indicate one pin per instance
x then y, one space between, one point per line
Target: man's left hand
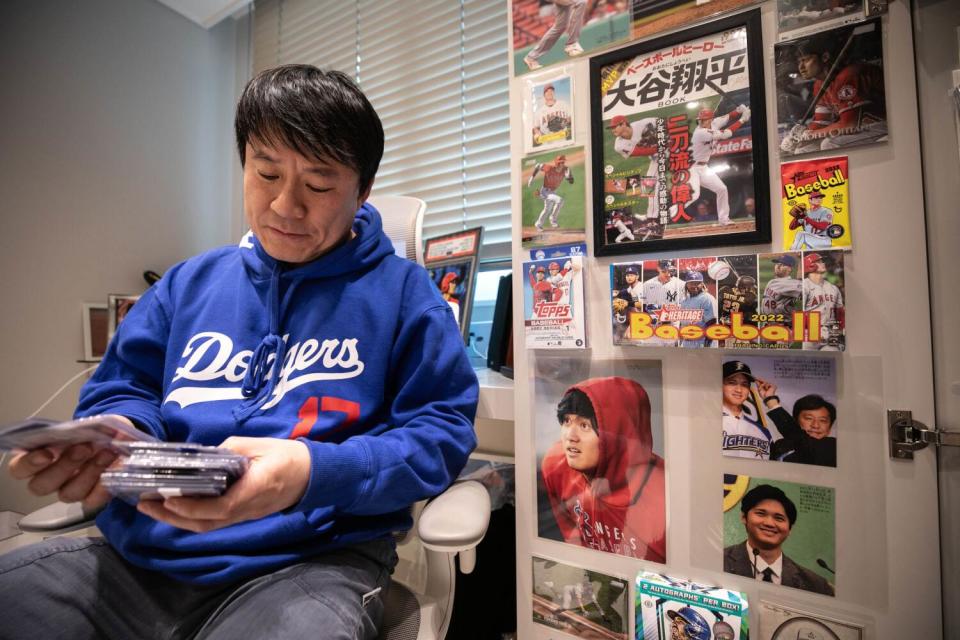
275 480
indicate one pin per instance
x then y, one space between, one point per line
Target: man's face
818 267
766 524
750 205
623 130
810 66
702 209
581 444
705 122
693 287
541 275
452 287
663 275
554 272
549 97
781 270
677 629
298 208
736 389
815 202
816 422
631 278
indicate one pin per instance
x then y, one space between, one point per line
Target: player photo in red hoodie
605 483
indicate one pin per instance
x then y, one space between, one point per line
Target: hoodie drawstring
253 387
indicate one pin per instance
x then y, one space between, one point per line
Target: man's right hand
73 473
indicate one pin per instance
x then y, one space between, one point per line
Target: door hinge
908 435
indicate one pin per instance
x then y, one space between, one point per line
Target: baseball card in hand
156 470
35 433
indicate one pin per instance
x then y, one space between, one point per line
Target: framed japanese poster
451 260
680 139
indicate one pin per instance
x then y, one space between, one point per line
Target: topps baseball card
779 532
546 33
780 408
572 602
548 111
553 303
796 18
830 90
672 609
598 436
815 197
553 203
675 136
766 301
780 622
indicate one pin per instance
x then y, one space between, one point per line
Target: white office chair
419 601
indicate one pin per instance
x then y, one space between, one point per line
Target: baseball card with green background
554 197
781 533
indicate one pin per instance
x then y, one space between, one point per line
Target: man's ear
362 197
743 518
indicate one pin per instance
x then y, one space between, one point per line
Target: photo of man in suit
768 516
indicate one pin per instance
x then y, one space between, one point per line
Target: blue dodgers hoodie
356 354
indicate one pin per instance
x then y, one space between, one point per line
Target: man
553 175
663 291
739 298
782 293
448 289
852 109
633 292
552 119
688 624
745 434
813 223
568 17
560 279
700 300
257 348
543 289
768 516
823 297
709 131
635 140
623 231
604 482
806 433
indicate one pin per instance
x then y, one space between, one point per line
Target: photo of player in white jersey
639 139
560 279
711 129
548 113
814 220
822 296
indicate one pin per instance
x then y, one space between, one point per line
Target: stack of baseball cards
35 433
156 470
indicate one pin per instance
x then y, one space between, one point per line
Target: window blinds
437 73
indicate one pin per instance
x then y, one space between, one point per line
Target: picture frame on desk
118 306
94 331
678 129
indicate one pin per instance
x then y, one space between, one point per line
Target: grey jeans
76 588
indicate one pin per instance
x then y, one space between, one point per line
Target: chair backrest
403 223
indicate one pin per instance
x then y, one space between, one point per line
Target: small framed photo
460 244
118 306
456 280
94 331
679 141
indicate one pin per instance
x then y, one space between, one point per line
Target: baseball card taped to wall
796 18
553 200
548 111
765 301
781 408
678 132
830 90
573 602
546 33
553 312
650 17
668 608
780 622
598 435
815 198
779 533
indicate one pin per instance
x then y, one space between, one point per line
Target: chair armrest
59 515
456 521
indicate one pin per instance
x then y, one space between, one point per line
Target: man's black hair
813 402
577 403
317 113
763 492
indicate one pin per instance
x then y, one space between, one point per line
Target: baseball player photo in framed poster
573 602
553 311
671 609
548 111
815 197
549 31
781 408
649 17
682 117
796 18
553 203
780 622
830 91
779 532
598 435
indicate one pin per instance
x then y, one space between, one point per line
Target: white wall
116 155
